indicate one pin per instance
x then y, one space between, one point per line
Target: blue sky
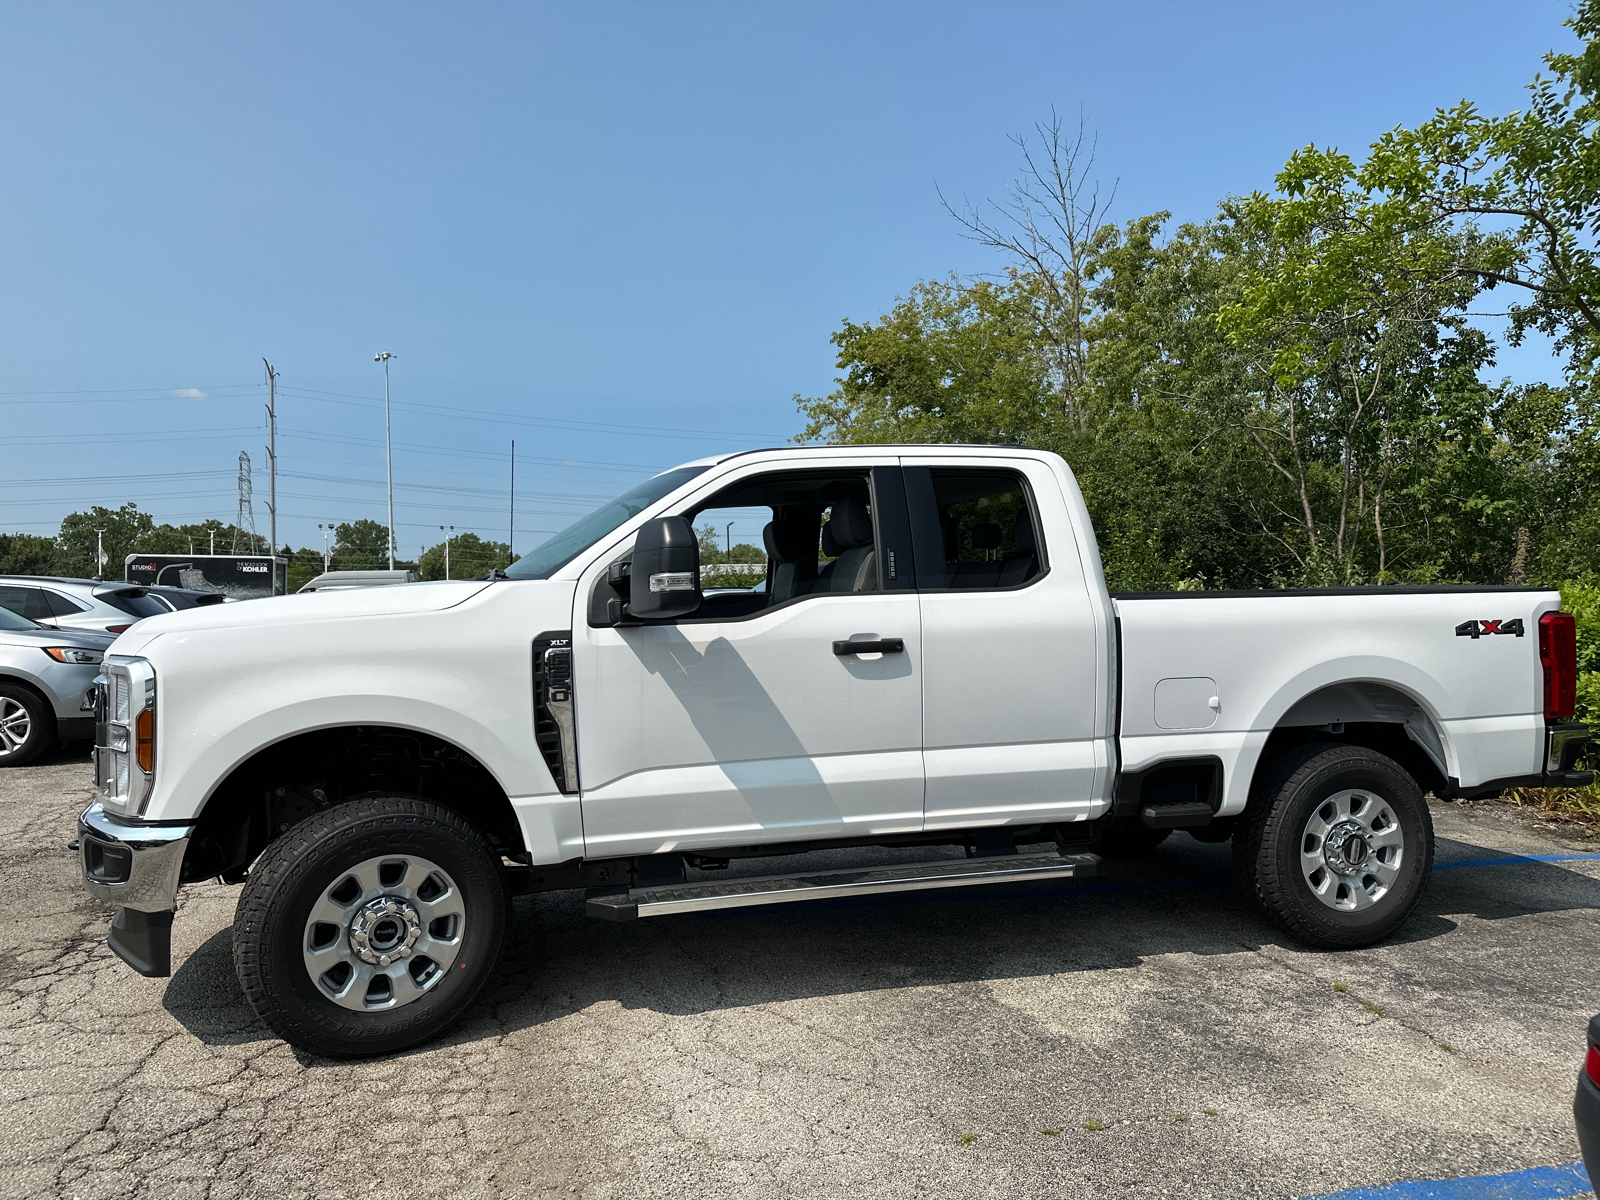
619 233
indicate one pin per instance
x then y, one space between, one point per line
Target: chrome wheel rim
384 933
1351 850
15 725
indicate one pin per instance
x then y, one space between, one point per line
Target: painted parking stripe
1512 860
1536 1183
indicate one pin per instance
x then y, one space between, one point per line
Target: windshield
580 535
11 620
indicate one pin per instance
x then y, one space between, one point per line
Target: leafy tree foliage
470 556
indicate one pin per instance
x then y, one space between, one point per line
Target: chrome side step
784 889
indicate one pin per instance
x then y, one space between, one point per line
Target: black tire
1268 847
17 702
271 927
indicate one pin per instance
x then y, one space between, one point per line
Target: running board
871 881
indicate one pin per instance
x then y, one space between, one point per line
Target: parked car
390 763
1586 1107
178 599
46 686
337 580
92 604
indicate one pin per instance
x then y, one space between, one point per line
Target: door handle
881 646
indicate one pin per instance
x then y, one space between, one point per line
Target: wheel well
283 784
1374 715
18 681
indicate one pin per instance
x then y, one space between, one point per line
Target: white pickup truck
932 660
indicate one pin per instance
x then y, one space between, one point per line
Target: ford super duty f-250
932 659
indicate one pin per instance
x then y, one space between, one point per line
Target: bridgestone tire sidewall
41 726
294 871
1281 886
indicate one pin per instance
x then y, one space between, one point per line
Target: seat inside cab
816 536
987 530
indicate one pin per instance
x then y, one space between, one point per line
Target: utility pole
727 539
213 530
447 537
325 529
511 540
272 457
388 450
99 552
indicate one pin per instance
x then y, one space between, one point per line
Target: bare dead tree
1052 223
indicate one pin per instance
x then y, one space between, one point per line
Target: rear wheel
26 725
1337 845
369 927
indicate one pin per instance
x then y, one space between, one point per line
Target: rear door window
25 602
974 529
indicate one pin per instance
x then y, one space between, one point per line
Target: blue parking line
1536 1183
1512 860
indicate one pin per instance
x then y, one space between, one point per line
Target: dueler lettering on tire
1337 845
369 927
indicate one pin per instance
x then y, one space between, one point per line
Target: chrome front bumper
130 865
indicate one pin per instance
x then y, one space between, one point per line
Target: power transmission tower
272 456
244 525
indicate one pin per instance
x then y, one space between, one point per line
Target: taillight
144 741
1558 651
1591 1064
119 628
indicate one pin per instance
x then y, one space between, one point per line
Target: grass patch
1051 1132
1580 805
1375 1009
966 1139
1181 1118
1448 1048
1093 1126
1211 1112
1341 987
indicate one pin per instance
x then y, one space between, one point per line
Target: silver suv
46 686
91 604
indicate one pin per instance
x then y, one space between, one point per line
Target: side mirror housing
664 580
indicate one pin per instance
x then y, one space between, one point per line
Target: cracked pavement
924 1045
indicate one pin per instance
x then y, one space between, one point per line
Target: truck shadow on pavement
1180 900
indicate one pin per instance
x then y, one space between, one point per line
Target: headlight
125 735
72 654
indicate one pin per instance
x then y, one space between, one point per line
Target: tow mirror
664 579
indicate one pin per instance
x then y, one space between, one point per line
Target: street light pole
325 529
447 537
388 451
272 456
727 539
99 552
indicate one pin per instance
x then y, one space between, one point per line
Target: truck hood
391 600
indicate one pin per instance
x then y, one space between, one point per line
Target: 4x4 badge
1477 629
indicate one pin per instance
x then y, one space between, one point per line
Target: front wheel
1337 845
369 927
26 725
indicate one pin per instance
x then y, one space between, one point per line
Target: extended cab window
973 528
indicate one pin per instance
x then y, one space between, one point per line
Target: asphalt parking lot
1139 1035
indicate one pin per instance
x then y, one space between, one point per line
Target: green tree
361 546
122 528
470 556
26 554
